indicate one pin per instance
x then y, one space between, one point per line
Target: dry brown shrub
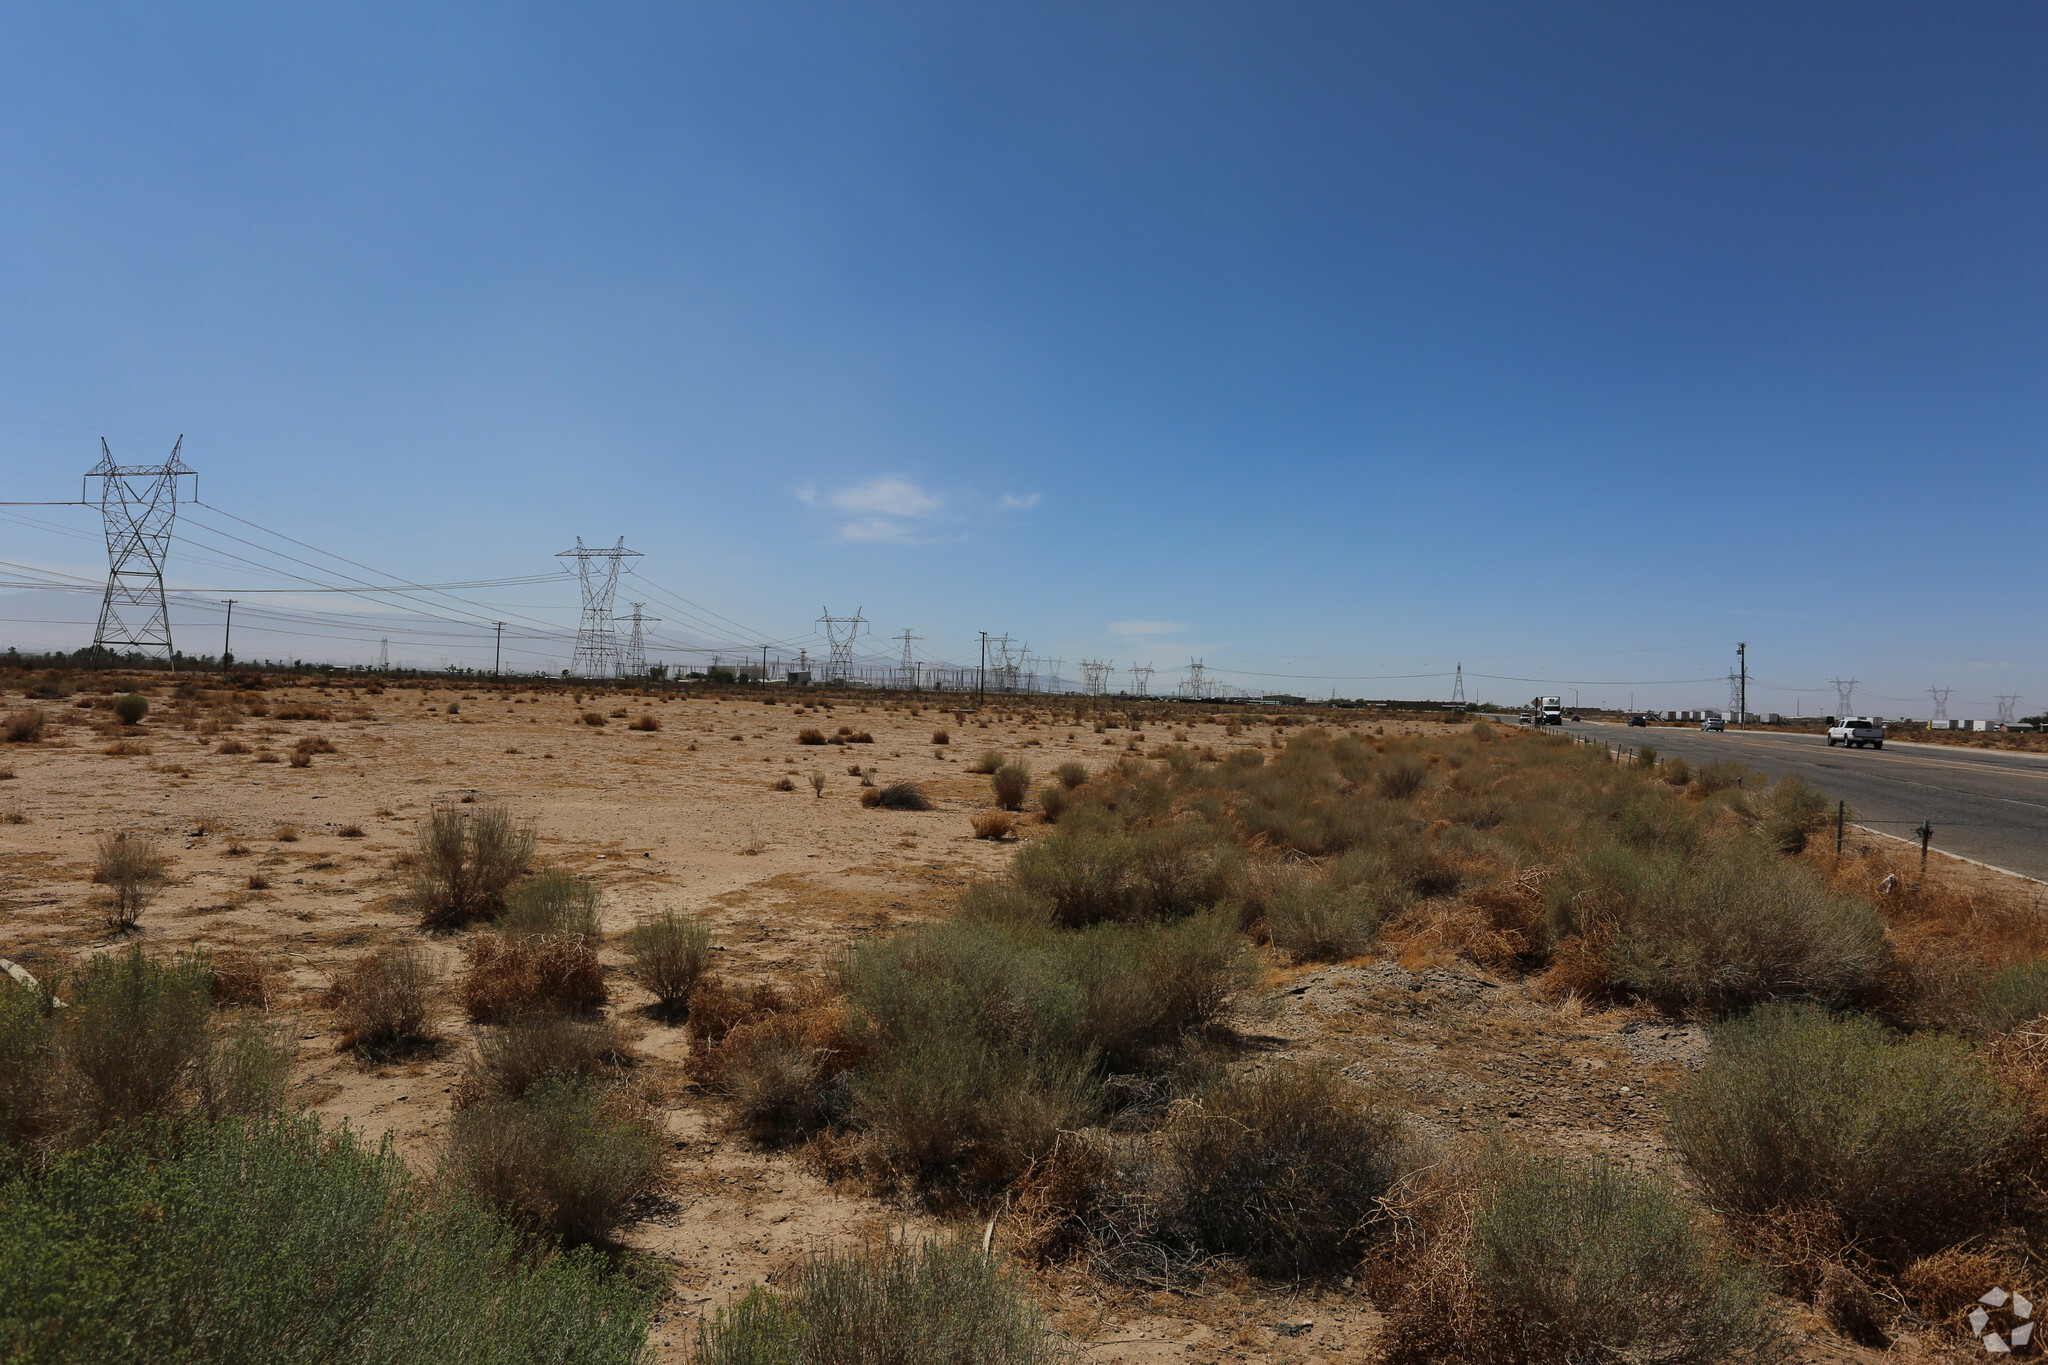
504 978
127 748
645 722
383 1002
941 737
239 978
285 834
231 746
24 725
300 759
809 735
993 824
134 870
593 718
314 744
512 1060
782 784
871 797
1944 1287
774 1054
1067 1202
1498 926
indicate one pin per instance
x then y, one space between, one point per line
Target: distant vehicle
1713 723
1642 721
1546 711
1856 731
1522 719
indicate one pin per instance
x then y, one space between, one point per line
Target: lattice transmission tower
1458 688
2008 702
1194 684
1141 680
597 639
138 505
1009 665
1845 696
1053 681
1095 676
840 633
633 658
906 669
1941 696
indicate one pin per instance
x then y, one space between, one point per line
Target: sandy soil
686 818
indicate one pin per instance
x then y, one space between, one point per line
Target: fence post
1841 814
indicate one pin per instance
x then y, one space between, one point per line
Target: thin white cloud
876 529
807 494
888 496
1135 628
1015 503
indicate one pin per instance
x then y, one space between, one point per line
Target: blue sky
1327 343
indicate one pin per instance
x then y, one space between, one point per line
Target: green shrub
1317 920
1901 1137
1083 876
898 796
563 1157
1744 925
938 1303
278 1242
1053 802
131 708
132 1038
1792 812
27 1064
1589 1262
1397 779
1677 771
134 869
1010 783
666 956
1284 1169
1646 755
553 901
987 1039
1719 776
463 865
1071 774
2016 995
989 762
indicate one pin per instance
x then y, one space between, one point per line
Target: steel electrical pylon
597 642
1194 685
633 660
840 633
1845 696
1458 688
2008 702
1095 676
1141 680
1941 696
138 504
906 672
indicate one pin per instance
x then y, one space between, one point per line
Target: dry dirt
686 818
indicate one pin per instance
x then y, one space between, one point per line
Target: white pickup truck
1856 731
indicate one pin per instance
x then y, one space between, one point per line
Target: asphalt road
1983 803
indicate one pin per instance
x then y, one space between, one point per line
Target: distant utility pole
498 649
1941 696
633 659
2008 702
138 504
384 654
1193 686
1458 688
597 641
1845 696
1742 662
981 675
227 633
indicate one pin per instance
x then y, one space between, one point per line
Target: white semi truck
1547 711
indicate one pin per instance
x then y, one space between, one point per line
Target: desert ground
298 865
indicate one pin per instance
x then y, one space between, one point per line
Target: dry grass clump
989 762
1314 919
285 833
810 735
239 978
646 722
667 956
1011 783
896 796
1902 1140
464 864
936 1303
530 1049
777 1057
553 901
593 718
1283 1170
130 710
127 748
134 869
942 737
2017 994
383 1002
992 824
314 744
783 784
24 725
1071 775
564 1158
507 977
